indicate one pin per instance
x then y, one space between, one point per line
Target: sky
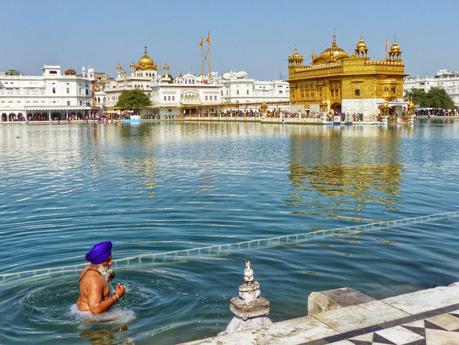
252 35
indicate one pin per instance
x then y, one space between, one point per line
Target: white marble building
52 95
247 93
449 81
169 96
185 95
191 94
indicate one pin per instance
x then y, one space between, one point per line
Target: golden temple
336 81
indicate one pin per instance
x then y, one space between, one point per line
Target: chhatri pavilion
337 81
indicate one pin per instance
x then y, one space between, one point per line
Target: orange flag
201 43
208 38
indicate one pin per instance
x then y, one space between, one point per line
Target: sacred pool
212 195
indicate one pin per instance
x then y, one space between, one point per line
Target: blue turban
99 252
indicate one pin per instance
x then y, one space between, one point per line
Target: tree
435 98
438 98
133 100
417 96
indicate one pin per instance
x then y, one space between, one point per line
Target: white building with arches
51 96
191 94
185 95
169 96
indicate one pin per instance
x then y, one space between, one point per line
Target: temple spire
334 45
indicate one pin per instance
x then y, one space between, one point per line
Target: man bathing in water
94 288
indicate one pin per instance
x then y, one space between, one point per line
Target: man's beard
106 272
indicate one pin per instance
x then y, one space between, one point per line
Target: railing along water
225 249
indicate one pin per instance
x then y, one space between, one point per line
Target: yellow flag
201 43
208 38
387 44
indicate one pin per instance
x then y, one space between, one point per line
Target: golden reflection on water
341 183
339 171
146 168
332 169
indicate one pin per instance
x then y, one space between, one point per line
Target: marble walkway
428 317
436 327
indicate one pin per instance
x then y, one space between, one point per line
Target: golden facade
336 81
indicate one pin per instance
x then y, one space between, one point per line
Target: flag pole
202 58
387 47
208 54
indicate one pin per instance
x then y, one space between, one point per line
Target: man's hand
120 290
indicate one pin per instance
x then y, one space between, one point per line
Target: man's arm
98 304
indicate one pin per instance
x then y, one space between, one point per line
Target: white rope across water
225 249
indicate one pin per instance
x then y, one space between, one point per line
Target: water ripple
162 187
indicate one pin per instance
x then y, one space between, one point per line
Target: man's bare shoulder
90 275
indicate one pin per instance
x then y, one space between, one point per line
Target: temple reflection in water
335 170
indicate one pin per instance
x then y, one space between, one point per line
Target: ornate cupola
296 59
167 77
361 49
395 54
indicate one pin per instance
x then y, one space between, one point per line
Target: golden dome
361 45
331 54
395 48
146 62
295 55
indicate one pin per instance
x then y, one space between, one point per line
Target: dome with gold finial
296 59
295 55
361 45
361 49
395 48
331 54
146 62
395 54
